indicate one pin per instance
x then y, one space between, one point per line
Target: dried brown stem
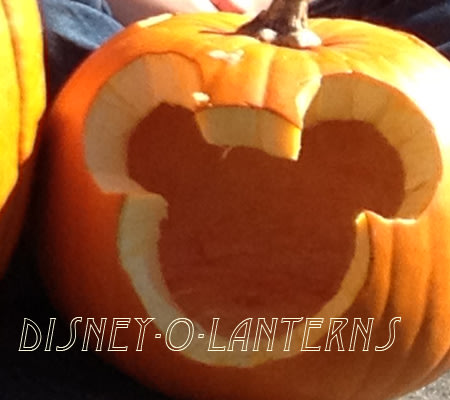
284 23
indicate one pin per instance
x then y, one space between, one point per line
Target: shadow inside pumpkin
250 235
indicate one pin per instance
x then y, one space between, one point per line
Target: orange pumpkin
204 178
23 98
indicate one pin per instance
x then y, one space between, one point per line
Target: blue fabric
73 29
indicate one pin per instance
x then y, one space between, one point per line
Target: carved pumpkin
23 98
197 174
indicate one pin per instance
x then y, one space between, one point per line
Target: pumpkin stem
284 23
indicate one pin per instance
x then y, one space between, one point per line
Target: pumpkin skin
23 85
99 223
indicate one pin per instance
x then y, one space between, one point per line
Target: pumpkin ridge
268 73
210 80
361 388
387 387
13 166
427 312
17 56
440 365
384 388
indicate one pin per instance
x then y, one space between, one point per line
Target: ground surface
438 390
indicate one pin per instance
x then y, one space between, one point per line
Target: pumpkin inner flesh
254 128
249 235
